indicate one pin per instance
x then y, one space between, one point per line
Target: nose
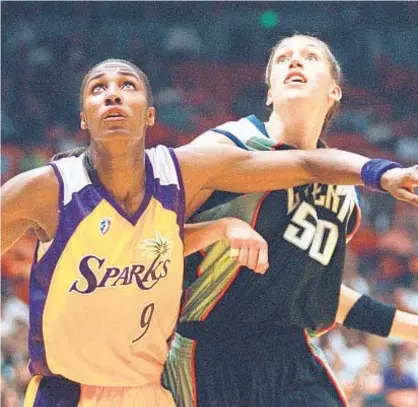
113 97
295 63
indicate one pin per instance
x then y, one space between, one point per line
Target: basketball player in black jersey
244 340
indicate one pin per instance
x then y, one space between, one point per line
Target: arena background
206 62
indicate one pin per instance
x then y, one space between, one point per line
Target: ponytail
75 152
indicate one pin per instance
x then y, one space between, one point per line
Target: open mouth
295 77
114 115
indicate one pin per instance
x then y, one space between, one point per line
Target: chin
115 136
297 96
118 132
296 93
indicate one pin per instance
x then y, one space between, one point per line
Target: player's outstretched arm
365 314
228 168
29 201
248 247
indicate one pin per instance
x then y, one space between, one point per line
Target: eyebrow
125 73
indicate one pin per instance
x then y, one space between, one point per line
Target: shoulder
33 181
206 155
201 164
226 133
32 195
211 137
236 133
165 165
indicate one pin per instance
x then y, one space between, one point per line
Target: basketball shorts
276 371
59 392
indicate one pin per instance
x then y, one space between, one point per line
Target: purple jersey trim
82 204
149 189
61 187
169 197
36 305
181 208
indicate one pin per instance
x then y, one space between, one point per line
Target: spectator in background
355 356
369 381
182 42
352 277
395 376
400 387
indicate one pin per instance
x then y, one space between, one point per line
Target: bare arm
29 201
405 325
208 138
228 168
201 235
248 248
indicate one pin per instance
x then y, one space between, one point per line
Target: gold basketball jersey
105 293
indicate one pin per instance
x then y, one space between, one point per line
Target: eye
128 85
97 87
281 58
312 57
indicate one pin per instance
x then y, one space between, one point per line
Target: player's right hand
248 247
400 183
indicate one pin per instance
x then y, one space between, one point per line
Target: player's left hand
400 183
248 247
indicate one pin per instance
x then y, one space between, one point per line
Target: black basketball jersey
306 227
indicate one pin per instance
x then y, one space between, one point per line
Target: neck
121 170
297 127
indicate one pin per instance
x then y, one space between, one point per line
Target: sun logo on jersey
160 246
105 225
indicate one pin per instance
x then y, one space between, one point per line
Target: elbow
310 170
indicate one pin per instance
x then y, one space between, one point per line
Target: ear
150 120
83 122
269 100
335 93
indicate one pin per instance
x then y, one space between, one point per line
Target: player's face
115 103
301 70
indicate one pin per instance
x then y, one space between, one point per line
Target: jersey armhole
231 137
353 223
48 246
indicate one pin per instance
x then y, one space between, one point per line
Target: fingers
243 256
252 258
252 255
234 253
411 177
248 247
406 178
263 263
406 195
414 175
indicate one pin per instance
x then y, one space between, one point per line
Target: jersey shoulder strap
72 176
164 165
248 133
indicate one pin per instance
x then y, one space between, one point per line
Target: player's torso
305 228
114 292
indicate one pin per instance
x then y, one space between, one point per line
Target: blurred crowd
206 70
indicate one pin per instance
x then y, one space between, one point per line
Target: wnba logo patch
105 225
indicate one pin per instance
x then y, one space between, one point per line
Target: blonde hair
335 70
